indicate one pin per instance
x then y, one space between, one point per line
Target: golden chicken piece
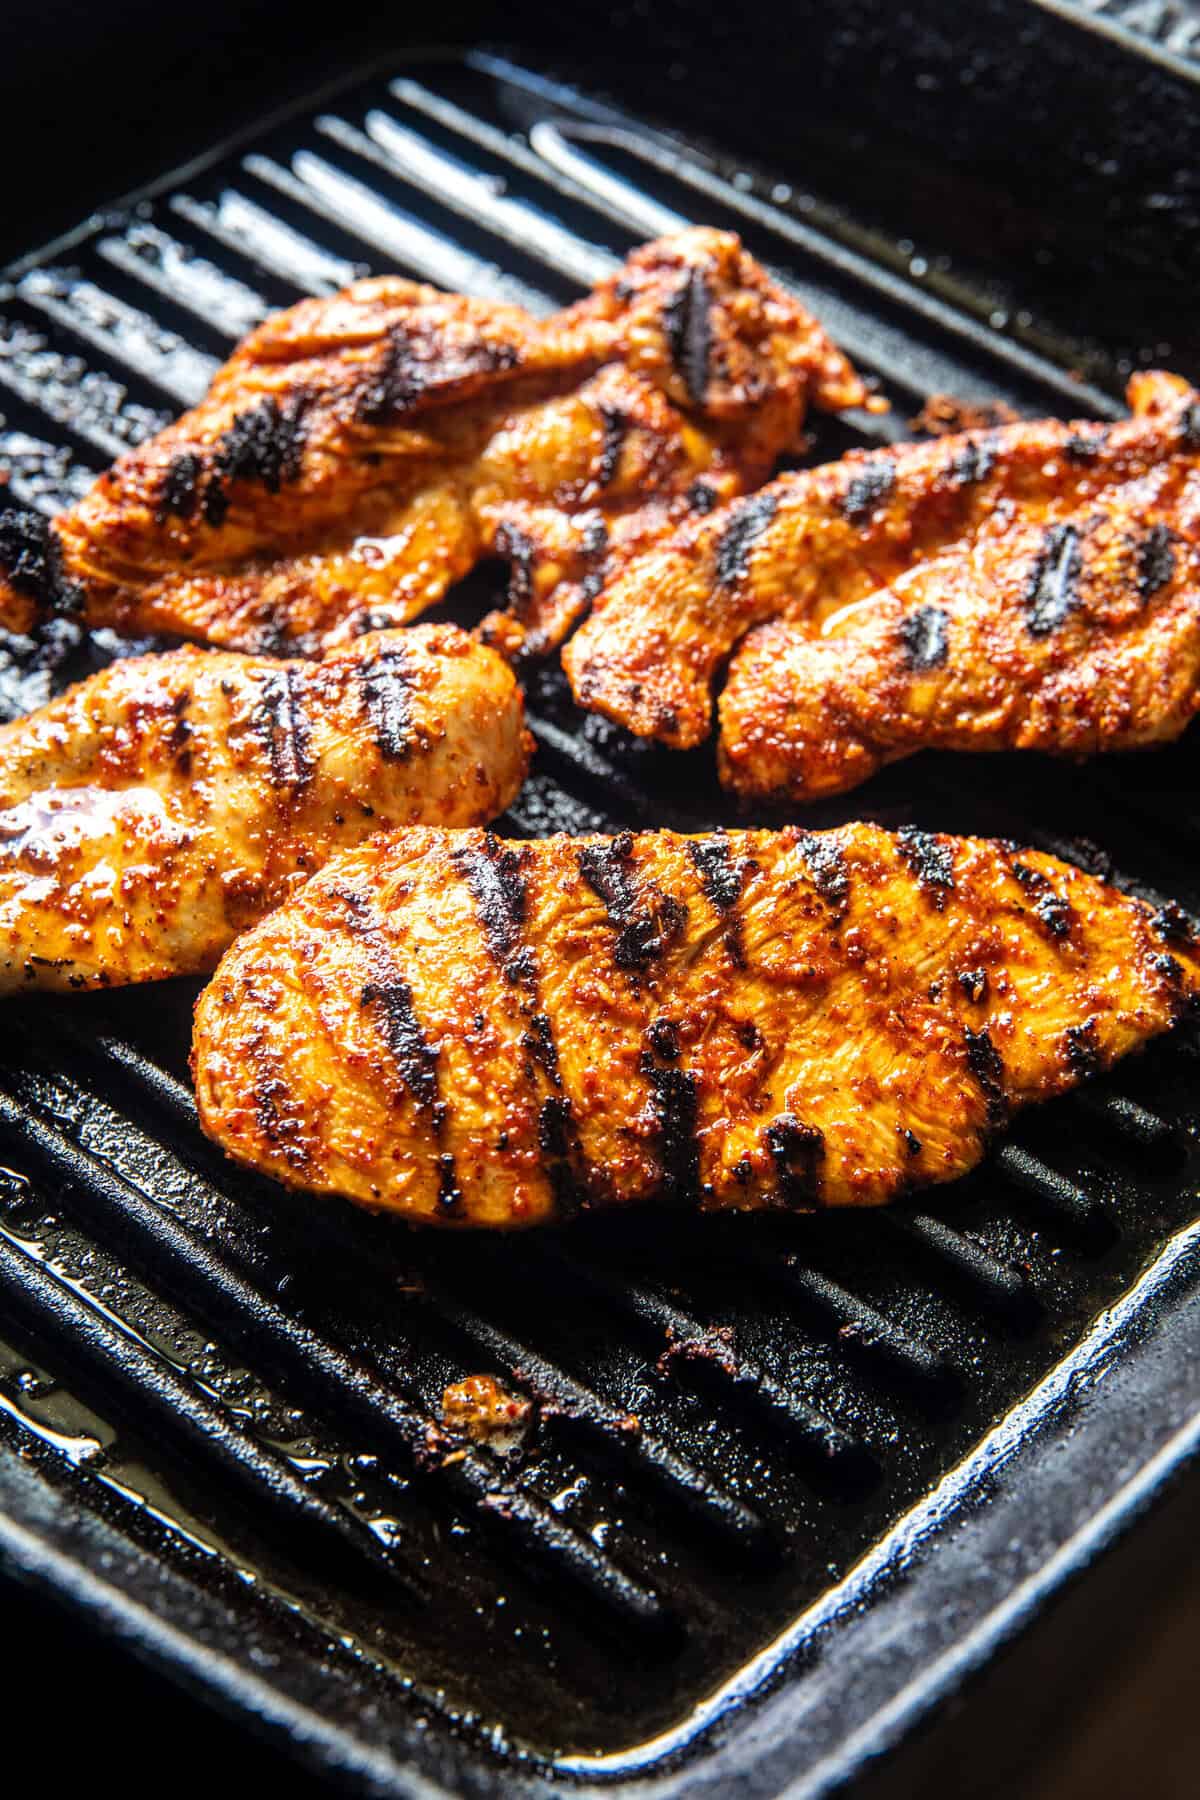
1071 638
471 1032
157 809
817 541
359 454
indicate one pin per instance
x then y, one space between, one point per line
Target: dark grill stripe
1155 560
279 1121
31 561
1052 592
931 860
984 1062
867 489
721 876
388 997
179 492
1049 907
407 376
675 1100
1175 926
647 922
495 875
750 519
449 1193
263 444
798 1151
539 1041
1081 1050
283 726
593 545
687 320
826 864
1085 446
616 425
973 463
415 1059
386 686
925 637
606 869
521 551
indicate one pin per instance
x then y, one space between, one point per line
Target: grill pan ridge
787 1461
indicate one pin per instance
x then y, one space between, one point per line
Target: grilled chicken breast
1072 638
359 454
472 1032
155 810
859 534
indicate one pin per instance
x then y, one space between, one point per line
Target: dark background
942 123
98 99
943 112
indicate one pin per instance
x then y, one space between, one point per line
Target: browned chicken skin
1028 586
157 809
359 454
470 1032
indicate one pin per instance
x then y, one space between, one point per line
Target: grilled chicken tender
1074 638
359 454
935 524
471 1032
157 809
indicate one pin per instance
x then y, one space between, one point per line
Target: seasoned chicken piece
472 1032
359 454
157 809
817 541
1073 638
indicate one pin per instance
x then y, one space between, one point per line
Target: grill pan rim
1133 40
326 1746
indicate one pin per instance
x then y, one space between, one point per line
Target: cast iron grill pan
227 1392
